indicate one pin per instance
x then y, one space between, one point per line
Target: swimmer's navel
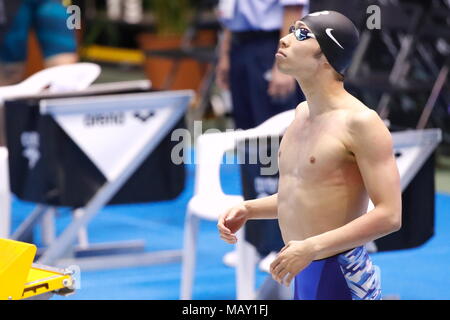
312 160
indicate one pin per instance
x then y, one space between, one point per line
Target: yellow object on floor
21 279
112 54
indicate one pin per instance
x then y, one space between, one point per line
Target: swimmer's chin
282 68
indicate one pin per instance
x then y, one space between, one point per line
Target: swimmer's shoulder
302 109
360 114
362 120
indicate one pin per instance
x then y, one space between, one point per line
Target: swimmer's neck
323 94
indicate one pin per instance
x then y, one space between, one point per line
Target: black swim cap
336 35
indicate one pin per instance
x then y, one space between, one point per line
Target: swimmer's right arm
233 219
263 208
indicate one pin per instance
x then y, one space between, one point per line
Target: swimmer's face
298 57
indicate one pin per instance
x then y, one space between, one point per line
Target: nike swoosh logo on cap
328 32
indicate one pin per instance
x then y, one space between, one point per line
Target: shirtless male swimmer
335 155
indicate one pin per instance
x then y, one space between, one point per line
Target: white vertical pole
48 226
189 256
83 240
245 268
5 195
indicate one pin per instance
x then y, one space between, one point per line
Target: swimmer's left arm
371 143
372 146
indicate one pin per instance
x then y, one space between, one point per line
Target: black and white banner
63 150
113 130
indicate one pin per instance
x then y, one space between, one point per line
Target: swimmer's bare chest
320 186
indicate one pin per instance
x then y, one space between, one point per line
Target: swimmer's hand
231 221
292 259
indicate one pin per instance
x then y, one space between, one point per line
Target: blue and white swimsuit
346 276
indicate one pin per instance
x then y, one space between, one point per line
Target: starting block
20 278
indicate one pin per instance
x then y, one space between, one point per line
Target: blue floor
421 273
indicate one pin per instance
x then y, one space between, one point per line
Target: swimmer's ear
322 59
337 76
327 65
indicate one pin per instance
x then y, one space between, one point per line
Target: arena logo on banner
104 119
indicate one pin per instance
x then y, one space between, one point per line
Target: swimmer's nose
284 42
